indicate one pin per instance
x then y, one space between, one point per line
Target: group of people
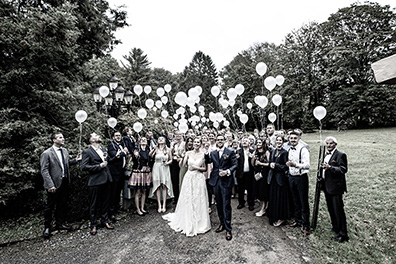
198 169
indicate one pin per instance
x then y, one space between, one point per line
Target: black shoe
63 227
113 219
251 207
220 229
47 233
341 239
334 230
240 206
228 235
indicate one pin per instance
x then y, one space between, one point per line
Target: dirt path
149 239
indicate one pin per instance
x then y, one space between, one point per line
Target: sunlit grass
369 203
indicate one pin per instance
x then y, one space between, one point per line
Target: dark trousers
175 171
335 206
223 201
246 183
299 191
210 191
115 193
57 200
99 197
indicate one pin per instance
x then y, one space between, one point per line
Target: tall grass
370 200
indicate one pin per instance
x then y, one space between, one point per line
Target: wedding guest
260 161
54 163
94 161
278 210
244 175
141 179
162 183
177 147
183 169
335 166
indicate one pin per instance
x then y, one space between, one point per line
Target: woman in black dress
278 210
260 161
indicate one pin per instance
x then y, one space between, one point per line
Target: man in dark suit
95 161
335 166
117 154
245 175
224 163
54 163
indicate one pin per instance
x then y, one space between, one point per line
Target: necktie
293 148
65 168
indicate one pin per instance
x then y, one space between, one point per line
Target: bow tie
293 148
328 153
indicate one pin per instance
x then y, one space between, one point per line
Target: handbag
258 176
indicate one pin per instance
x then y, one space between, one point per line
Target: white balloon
158 104
138 89
175 116
154 109
277 99
81 116
201 108
164 113
147 89
279 80
155 121
270 83
142 113
272 117
224 103
195 118
183 127
239 113
193 109
167 88
104 91
212 116
215 91
232 93
193 93
243 118
219 116
239 89
199 89
231 102
183 121
149 103
160 92
137 127
180 110
226 123
112 122
261 100
319 112
261 68
216 124
181 98
190 101
249 105
203 119
176 124
164 99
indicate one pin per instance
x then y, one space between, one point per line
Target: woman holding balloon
162 183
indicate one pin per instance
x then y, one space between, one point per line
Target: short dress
141 177
161 174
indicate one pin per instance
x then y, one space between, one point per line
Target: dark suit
222 185
334 187
245 178
98 184
129 143
116 167
53 176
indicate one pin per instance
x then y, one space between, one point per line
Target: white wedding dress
191 216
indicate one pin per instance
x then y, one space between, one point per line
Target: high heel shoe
139 213
260 213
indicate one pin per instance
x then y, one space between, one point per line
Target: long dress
191 216
161 175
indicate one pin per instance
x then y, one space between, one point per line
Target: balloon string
320 132
79 142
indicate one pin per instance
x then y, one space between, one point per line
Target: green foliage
137 69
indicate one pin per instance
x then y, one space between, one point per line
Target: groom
224 163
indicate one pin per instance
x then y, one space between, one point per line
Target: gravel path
149 239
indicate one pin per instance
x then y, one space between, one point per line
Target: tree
137 69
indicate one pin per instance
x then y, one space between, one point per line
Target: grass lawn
369 204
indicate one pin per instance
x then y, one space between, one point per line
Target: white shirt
246 160
326 160
294 156
100 152
59 154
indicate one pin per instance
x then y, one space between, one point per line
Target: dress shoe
240 206
63 227
113 219
108 226
260 213
341 239
334 230
251 207
47 233
294 224
305 231
220 229
228 235
93 230
278 223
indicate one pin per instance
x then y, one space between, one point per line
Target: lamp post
117 95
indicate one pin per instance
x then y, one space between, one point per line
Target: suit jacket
91 162
116 164
51 167
241 162
335 182
129 144
227 161
279 173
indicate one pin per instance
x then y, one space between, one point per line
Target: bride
191 216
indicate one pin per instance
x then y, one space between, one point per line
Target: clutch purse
258 176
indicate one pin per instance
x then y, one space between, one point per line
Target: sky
170 32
